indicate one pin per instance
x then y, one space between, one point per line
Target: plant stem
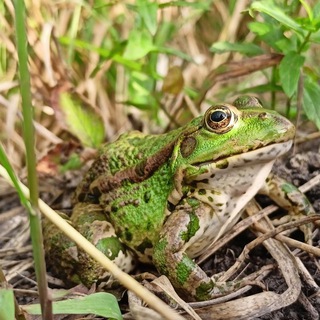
305 41
29 140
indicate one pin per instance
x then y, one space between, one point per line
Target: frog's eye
219 119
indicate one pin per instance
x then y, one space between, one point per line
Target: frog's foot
89 220
61 252
291 199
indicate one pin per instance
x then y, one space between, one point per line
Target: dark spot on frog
187 146
202 192
105 202
260 154
145 244
205 181
81 197
114 208
210 199
170 206
96 191
149 225
271 151
132 262
127 235
91 198
193 185
147 196
212 175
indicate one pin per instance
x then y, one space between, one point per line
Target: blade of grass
73 31
29 140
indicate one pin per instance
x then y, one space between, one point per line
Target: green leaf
260 28
174 52
6 304
289 71
101 304
82 120
270 8
311 100
286 45
249 49
139 44
273 36
148 12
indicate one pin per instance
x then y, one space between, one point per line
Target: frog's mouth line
260 154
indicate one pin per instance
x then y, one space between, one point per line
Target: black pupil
218 116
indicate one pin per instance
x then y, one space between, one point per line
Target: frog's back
130 152
133 147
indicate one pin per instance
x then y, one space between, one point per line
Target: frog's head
227 132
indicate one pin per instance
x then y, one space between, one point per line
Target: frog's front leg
183 231
289 197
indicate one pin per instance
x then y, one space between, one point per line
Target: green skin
163 199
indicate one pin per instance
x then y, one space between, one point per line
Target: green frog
163 199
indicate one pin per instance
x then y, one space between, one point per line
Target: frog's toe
289 197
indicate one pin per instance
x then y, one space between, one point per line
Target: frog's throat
263 154
259 154
226 172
